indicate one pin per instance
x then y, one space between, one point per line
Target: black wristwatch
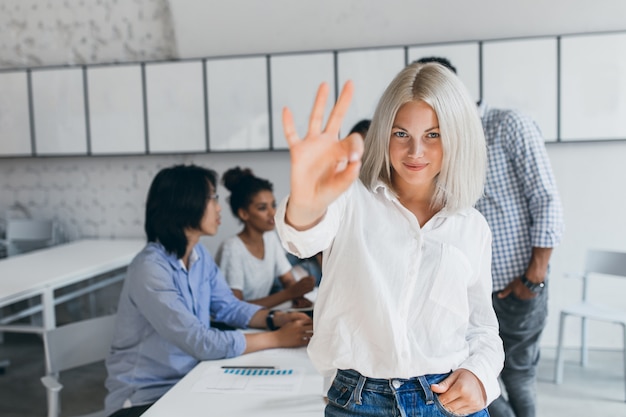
536 288
269 320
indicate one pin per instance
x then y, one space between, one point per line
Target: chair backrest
24 235
606 262
28 229
79 343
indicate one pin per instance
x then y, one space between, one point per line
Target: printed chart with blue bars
251 379
257 371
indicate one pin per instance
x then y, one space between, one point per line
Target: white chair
25 235
597 263
71 346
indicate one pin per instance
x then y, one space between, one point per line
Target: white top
245 272
397 300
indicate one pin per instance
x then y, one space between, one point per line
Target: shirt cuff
308 241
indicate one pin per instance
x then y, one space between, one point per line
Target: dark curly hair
243 186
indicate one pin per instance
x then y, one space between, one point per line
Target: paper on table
250 380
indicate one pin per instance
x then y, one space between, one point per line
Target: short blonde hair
461 180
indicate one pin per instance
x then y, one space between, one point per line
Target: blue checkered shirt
521 202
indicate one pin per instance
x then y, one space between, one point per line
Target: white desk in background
41 273
186 399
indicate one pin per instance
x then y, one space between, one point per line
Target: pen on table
248 367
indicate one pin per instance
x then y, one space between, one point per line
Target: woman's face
415 148
260 213
211 219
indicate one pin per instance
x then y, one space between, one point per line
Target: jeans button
396 384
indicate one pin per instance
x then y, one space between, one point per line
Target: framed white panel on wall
371 71
522 75
238 104
175 103
116 117
294 83
14 115
465 57
59 112
593 87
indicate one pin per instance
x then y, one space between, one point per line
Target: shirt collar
385 190
193 258
175 261
390 195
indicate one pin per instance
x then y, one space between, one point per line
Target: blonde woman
403 318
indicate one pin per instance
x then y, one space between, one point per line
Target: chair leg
558 370
54 406
584 352
624 329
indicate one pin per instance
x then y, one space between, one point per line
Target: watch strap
269 320
531 285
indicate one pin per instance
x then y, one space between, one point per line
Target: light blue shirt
521 201
163 326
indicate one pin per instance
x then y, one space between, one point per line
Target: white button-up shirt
398 300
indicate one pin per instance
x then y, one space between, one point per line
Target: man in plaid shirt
522 206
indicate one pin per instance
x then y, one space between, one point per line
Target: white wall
247 26
105 196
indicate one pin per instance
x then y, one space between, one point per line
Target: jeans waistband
388 386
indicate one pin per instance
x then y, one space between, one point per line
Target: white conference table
184 400
40 273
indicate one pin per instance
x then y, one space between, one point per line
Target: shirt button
396 384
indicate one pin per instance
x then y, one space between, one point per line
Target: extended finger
317 114
340 108
289 128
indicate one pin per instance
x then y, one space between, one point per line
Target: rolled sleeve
307 243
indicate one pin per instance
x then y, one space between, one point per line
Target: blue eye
401 135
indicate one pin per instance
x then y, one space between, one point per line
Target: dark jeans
521 323
135 411
352 394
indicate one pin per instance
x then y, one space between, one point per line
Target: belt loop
427 391
359 390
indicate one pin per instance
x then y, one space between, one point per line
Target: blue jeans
521 323
352 394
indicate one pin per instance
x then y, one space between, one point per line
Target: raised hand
322 166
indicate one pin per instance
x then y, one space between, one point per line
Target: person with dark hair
403 320
254 258
172 290
439 60
522 206
361 127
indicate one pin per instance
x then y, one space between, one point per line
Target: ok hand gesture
322 166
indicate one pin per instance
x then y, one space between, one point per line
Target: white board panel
522 75
238 104
465 57
371 72
59 112
175 102
116 117
294 83
593 87
15 138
